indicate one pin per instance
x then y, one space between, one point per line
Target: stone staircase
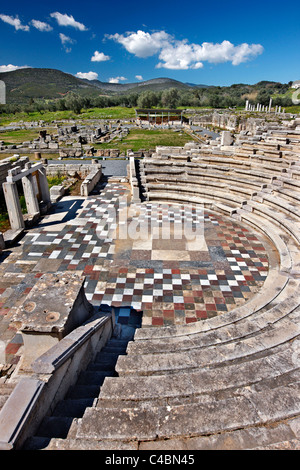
175 391
82 395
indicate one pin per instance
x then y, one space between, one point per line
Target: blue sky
213 43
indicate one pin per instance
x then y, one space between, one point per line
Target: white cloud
180 55
87 75
245 52
14 22
142 44
99 57
139 77
66 39
116 79
67 20
11 68
41 26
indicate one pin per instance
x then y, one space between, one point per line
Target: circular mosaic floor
175 280
158 265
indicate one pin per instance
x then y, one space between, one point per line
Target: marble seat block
55 306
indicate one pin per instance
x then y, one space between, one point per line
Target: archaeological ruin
158 309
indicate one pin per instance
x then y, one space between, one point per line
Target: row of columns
11 195
261 108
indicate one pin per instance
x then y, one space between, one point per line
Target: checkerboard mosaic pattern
151 281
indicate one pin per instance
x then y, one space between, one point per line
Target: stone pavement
157 280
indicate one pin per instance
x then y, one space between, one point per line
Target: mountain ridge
41 83
34 84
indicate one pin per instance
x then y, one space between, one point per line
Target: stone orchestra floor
138 259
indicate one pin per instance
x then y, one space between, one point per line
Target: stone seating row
141 424
279 219
268 167
203 177
218 189
268 148
288 194
197 168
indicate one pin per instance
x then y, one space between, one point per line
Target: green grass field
19 136
117 112
136 139
147 139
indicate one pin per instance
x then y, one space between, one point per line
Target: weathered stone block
55 306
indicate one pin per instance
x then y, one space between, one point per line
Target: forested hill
33 86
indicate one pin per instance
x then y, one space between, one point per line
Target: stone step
114 349
55 426
229 210
83 391
293 444
6 388
192 385
280 435
289 194
280 204
106 360
93 377
86 444
79 397
210 416
205 178
249 327
289 182
244 349
292 227
72 407
38 443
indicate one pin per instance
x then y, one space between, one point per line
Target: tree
215 100
74 102
169 98
147 99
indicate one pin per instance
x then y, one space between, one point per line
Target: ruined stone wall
223 120
9 163
71 169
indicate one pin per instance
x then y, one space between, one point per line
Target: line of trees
215 97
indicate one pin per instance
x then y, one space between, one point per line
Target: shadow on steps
85 391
